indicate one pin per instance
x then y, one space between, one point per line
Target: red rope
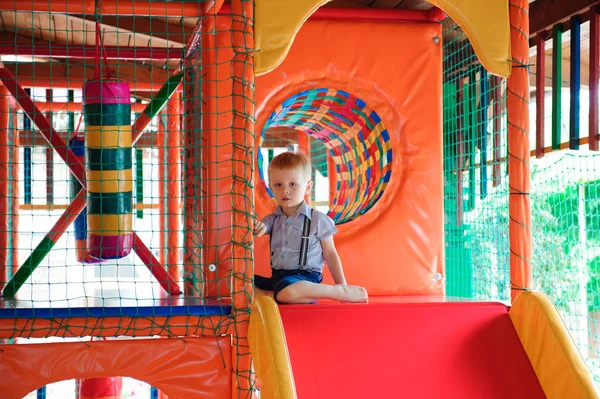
100 47
97 71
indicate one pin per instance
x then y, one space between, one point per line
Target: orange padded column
4 186
15 194
518 150
169 177
173 183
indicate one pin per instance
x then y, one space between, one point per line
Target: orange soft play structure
402 96
367 85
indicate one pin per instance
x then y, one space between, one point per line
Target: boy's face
289 187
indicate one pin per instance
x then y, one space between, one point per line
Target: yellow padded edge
556 361
108 136
487 25
109 181
276 25
269 350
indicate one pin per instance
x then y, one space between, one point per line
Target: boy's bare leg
259 292
307 292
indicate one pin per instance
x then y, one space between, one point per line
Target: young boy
301 240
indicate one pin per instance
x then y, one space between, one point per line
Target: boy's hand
259 228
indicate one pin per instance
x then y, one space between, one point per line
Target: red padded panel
408 350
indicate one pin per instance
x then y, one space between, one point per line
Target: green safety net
168 198
566 219
565 199
475 173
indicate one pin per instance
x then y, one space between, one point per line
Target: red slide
407 350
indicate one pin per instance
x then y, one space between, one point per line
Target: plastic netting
137 198
475 173
565 190
566 216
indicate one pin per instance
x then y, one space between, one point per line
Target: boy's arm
264 226
268 221
333 260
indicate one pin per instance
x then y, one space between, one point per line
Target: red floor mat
407 350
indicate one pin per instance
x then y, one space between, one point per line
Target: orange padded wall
191 368
396 248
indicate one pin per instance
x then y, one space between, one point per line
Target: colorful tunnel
356 142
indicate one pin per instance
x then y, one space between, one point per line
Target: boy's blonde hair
292 160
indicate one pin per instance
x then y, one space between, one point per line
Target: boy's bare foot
353 293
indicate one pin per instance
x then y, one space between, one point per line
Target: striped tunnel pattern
107 113
356 139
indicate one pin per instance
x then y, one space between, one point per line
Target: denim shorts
284 278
